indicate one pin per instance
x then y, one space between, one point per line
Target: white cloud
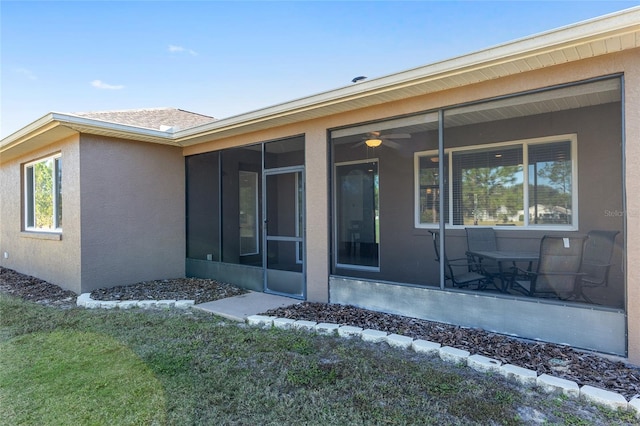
179 49
99 84
26 73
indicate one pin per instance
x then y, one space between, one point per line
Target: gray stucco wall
123 215
52 257
133 212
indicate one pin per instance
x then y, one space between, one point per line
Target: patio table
501 256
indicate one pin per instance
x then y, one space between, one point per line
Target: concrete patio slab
238 308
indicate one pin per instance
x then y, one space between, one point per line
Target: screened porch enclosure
547 162
245 216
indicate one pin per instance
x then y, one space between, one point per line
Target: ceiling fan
375 139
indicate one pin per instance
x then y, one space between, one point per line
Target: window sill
53 236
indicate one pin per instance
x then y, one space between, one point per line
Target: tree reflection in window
550 182
488 185
43 194
430 197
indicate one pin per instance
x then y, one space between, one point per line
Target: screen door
284 256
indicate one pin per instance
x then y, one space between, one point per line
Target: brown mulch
35 290
584 368
197 289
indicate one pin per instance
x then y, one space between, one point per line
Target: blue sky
226 58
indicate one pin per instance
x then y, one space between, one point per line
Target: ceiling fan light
372 143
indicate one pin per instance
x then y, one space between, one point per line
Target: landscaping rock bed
197 289
35 290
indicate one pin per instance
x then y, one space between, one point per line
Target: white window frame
525 143
30 204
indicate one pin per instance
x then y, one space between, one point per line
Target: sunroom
542 163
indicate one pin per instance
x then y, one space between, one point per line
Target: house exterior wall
123 215
315 131
133 212
317 203
631 64
124 201
52 257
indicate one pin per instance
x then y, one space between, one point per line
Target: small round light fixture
372 143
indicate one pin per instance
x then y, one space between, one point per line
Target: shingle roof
151 118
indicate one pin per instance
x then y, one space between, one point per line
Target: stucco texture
51 257
132 212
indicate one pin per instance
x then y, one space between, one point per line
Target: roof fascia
84 125
55 126
108 128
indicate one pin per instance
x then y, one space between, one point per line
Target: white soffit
581 96
417 120
46 134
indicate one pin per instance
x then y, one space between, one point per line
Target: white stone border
85 301
523 376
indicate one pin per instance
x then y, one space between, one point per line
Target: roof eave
55 126
106 128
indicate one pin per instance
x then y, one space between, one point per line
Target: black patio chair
558 269
596 262
465 274
482 239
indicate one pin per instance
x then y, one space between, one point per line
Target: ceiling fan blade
397 136
391 144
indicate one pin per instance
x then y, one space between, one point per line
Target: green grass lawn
52 377
83 367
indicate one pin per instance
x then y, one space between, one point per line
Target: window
43 194
428 186
550 184
248 182
486 185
